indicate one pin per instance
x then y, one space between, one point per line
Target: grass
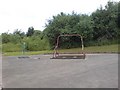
94 49
91 49
106 48
26 53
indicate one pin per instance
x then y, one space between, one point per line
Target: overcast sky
21 14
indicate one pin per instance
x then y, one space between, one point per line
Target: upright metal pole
23 48
82 43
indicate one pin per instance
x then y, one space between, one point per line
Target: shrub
37 44
10 47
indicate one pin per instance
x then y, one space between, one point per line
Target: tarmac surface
39 71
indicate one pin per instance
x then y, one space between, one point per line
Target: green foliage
35 43
13 38
30 31
19 33
13 42
91 49
5 38
105 22
118 15
97 29
100 28
11 47
69 24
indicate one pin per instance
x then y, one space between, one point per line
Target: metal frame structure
78 56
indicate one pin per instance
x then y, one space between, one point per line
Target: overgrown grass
27 53
106 48
92 49
11 47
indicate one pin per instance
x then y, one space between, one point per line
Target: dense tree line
33 39
99 28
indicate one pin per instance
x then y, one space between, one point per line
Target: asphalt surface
39 71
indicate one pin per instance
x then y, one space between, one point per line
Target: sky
22 14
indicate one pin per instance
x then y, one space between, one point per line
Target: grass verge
91 49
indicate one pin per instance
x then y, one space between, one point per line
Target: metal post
23 48
82 43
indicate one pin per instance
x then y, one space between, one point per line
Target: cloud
21 14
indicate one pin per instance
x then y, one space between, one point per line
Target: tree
5 38
119 15
69 24
30 31
19 32
105 22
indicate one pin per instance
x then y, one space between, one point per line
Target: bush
37 44
10 47
100 43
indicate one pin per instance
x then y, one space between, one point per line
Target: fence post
23 48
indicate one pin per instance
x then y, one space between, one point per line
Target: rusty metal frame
55 54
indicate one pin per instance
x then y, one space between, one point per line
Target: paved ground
96 71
